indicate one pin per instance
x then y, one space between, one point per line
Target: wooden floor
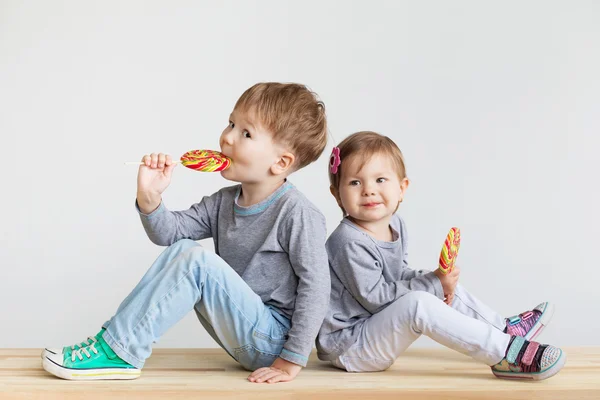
210 373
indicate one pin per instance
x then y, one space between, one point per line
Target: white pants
469 326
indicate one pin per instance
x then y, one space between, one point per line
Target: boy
264 294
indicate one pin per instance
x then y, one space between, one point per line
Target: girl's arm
360 270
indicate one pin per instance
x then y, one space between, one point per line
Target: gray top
366 276
277 246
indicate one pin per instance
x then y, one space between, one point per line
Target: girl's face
372 191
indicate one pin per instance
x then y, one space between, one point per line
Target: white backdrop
495 104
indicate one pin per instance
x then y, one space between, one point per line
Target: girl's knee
414 303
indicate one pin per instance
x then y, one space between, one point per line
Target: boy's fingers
279 378
259 372
268 376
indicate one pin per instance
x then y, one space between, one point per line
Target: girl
379 306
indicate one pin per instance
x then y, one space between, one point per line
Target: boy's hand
449 283
280 371
154 176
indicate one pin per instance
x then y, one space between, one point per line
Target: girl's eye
231 125
354 183
247 134
381 180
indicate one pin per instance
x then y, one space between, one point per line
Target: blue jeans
185 277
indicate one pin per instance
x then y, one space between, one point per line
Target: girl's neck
380 229
254 193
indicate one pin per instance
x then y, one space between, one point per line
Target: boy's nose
226 139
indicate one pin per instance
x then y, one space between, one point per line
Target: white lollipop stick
142 163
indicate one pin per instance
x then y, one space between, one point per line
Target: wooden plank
211 373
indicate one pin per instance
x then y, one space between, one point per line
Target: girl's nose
368 190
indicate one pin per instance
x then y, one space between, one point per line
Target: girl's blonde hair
365 145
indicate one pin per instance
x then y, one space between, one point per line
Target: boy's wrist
148 202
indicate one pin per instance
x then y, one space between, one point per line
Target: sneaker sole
541 324
89 374
535 376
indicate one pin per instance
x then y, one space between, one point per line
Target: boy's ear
284 164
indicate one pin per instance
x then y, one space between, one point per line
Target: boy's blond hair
292 113
365 145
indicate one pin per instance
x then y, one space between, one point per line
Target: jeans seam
145 317
474 310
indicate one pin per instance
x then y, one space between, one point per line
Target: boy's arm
165 227
305 235
359 269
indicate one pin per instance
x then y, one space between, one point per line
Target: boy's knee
184 244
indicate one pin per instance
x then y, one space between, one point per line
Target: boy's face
250 147
372 191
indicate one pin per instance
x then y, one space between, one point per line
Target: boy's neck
380 229
254 193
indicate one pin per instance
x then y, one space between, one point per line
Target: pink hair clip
334 160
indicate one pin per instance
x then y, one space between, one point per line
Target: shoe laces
90 340
84 351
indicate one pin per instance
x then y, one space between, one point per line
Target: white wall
495 104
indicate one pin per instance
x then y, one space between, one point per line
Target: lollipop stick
141 162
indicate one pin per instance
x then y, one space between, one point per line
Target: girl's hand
280 371
449 283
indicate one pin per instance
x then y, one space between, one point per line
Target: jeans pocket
269 329
252 358
265 343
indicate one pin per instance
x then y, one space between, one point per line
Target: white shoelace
84 350
90 340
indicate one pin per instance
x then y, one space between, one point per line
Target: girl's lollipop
202 160
450 251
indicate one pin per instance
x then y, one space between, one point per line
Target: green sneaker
69 349
94 362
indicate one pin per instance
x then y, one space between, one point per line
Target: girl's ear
336 194
403 186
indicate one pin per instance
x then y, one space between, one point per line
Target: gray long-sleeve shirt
366 276
277 246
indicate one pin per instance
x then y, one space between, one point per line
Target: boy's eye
381 180
354 183
231 125
247 134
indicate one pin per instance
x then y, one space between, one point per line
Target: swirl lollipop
205 160
449 251
202 160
